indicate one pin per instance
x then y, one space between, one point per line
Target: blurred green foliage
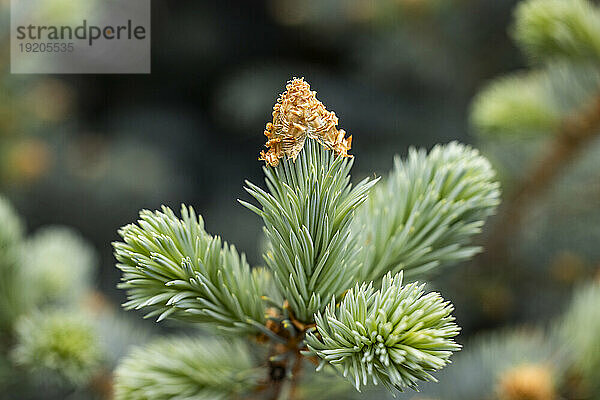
57 346
59 336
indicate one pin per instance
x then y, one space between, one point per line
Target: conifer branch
173 268
185 368
310 203
303 306
308 212
550 29
396 335
426 212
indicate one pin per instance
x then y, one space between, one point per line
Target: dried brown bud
298 115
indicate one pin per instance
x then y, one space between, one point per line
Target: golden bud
298 116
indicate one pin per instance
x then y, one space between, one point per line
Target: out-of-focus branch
295 379
575 132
